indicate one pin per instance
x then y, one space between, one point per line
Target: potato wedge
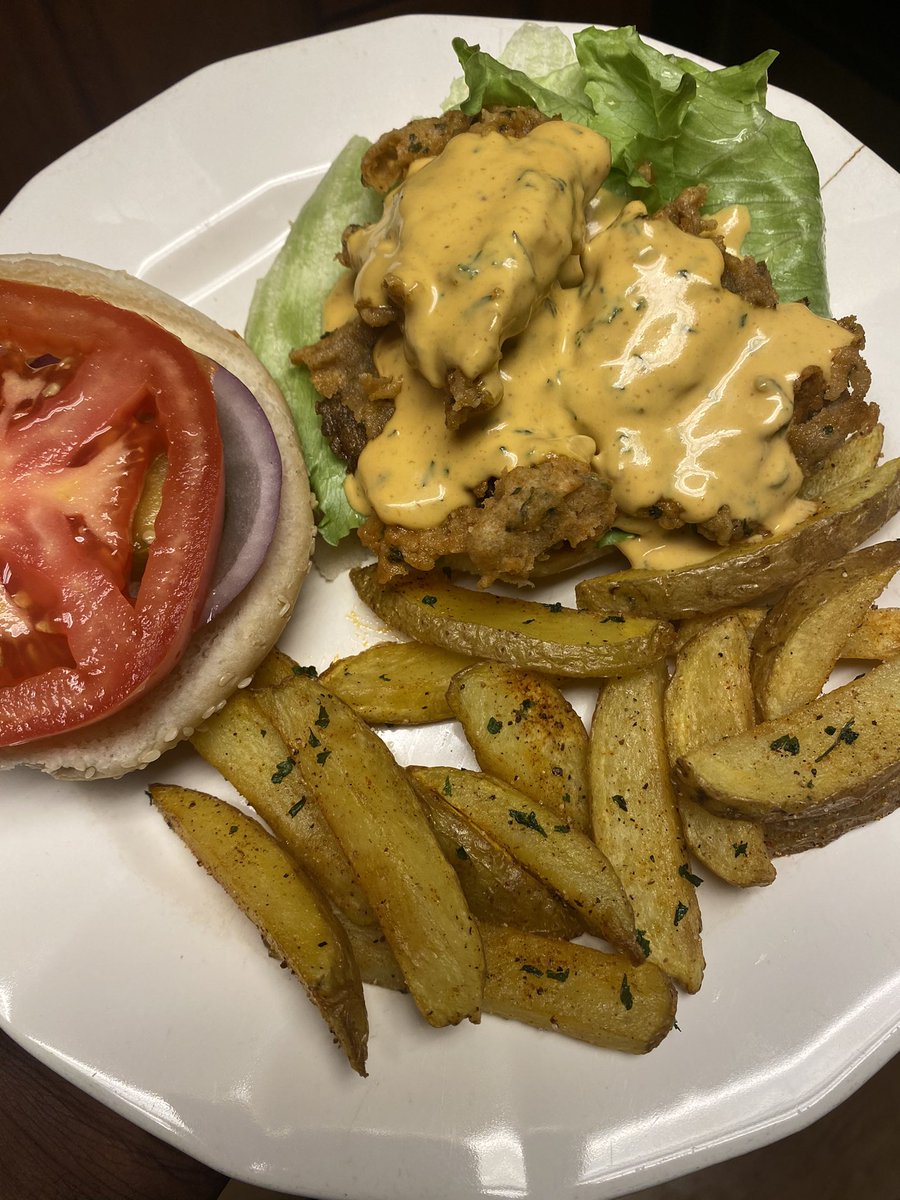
795 834
243 745
374 957
577 990
375 814
850 461
567 861
524 731
750 617
824 758
496 886
746 573
876 638
525 633
397 683
797 646
637 825
276 667
294 919
562 987
710 697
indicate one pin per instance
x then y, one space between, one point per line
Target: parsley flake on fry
625 994
685 872
529 820
786 744
282 770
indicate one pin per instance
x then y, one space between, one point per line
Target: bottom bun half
223 654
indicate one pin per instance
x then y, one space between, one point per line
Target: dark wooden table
70 67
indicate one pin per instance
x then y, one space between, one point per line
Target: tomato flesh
90 395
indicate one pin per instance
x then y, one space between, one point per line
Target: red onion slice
252 490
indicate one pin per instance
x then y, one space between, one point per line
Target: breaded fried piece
721 528
743 275
511 122
466 396
685 211
387 161
827 412
518 520
529 512
356 400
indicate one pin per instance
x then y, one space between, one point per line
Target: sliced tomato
89 395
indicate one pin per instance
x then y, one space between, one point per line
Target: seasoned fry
566 860
604 999
792 835
636 822
524 633
377 818
748 572
524 731
245 747
293 918
850 461
376 961
798 644
751 618
562 987
825 758
276 667
397 683
876 638
496 886
710 697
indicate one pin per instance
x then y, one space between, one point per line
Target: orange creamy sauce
601 334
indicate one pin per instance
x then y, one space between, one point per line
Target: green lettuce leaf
286 311
693 125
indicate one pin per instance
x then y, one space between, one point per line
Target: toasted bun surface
222 655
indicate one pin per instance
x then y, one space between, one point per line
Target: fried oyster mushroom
513 520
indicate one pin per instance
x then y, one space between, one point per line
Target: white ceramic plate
125 969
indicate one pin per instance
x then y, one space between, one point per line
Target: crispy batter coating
828 411
522 518
721 528
355 400
743 275
387 161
